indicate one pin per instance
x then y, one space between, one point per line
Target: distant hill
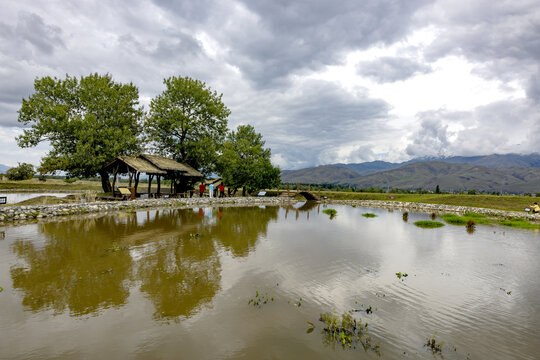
370 167
4 168
490 161
449 177
327 174
507 173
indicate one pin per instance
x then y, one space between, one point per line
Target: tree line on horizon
91 120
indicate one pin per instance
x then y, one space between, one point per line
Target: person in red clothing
202 188
221 190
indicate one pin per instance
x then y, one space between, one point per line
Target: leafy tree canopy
188 122
246 163
87 121
22 172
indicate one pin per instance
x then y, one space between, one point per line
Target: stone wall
439 209
30 212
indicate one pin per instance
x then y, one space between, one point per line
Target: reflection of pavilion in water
306 207
171 256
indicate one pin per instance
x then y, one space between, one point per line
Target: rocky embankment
31 212
439 209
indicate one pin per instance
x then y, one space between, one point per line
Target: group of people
212 192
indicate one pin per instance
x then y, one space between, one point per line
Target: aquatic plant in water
369 215
405 216
401 276
433 345
347 332
428 224
260 299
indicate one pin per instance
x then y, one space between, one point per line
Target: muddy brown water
176 284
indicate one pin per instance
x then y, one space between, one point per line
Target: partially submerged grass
428 224
454 219
331 212
463 220
369 215
347 332
519 223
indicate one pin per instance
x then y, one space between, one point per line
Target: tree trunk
244 191
105 183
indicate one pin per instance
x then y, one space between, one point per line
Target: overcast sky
323 81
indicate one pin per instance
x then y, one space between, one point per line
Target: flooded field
268 282
13 198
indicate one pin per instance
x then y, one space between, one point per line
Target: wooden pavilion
152 165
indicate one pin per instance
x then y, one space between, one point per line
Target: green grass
428 224
369 215
454 219
519 223
463 220
505 202
331 212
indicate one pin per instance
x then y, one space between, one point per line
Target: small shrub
70 180
42 178
22 172
470 226
428 224
405 216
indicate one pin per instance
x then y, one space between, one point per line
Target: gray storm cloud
261 55
391 69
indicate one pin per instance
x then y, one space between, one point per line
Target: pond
253 282
13 198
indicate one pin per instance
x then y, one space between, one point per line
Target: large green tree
188 122
245 163
87 121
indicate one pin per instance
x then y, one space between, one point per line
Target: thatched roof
150 164
171 165
136 163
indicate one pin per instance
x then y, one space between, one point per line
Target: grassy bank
505 202
61 185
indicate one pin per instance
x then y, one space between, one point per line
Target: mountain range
512 173
3 168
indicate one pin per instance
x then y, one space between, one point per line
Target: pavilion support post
158 185
137 176
150 185
115 175
130 177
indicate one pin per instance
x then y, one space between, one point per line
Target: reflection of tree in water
84 265
74 269
179 275
239 228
